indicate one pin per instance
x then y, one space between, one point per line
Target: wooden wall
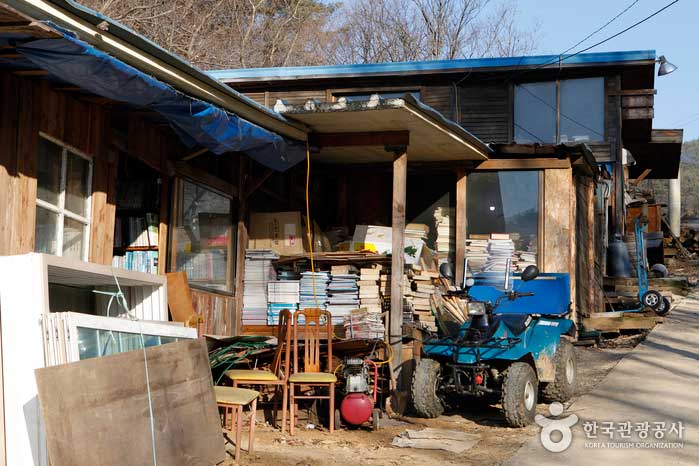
31 106
486 111
217 311
588 269
559 225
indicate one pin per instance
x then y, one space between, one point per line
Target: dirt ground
317 447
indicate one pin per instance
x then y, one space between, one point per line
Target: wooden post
241 244
461 225
400 171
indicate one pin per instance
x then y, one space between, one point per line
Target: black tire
664 308
519 394
424 389
652 299
563 386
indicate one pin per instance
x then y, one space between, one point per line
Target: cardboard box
281 231
379 239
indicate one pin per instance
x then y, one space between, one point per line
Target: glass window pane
45 232
49 171
77 190
535 112
93 343
73 237
205 238
582 110
505 202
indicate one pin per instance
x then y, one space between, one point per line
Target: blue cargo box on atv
526 326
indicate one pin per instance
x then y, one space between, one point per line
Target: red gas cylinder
356 408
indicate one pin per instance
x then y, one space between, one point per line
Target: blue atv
514 346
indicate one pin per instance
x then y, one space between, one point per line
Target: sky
673 33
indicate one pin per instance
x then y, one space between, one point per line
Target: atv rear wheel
563 385
426 379
519 394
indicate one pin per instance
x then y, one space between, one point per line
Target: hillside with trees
214 34
689 168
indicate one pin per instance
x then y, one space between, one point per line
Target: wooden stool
233 400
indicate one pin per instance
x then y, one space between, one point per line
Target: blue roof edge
436 65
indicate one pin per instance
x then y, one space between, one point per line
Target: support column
675 204
461 225
400 173
241 243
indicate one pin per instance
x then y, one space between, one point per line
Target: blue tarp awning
197 123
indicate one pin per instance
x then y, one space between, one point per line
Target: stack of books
446 231
368 283
313 290
136 231
362 323
500 248
140 261
281 294
418 293
258 273
476 251
343 296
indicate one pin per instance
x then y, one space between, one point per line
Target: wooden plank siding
559 240
29 107
484 110
441 98
217 311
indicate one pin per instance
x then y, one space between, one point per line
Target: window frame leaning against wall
177 223
60 208
557 100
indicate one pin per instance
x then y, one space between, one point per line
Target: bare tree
228 33
393 30
261 33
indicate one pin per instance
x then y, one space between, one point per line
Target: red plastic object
479 379
356 408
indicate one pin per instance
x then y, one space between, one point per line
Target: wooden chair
278 374
316 322
232 400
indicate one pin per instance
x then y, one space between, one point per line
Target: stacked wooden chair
310 325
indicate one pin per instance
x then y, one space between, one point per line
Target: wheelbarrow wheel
426 379
519 394
563 385
664 308
652 299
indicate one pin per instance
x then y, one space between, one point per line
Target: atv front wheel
426 379
563 385
519 394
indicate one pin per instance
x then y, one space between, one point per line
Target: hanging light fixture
665 66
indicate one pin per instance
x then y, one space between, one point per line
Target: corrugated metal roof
435 66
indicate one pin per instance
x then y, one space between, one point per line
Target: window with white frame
63 199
